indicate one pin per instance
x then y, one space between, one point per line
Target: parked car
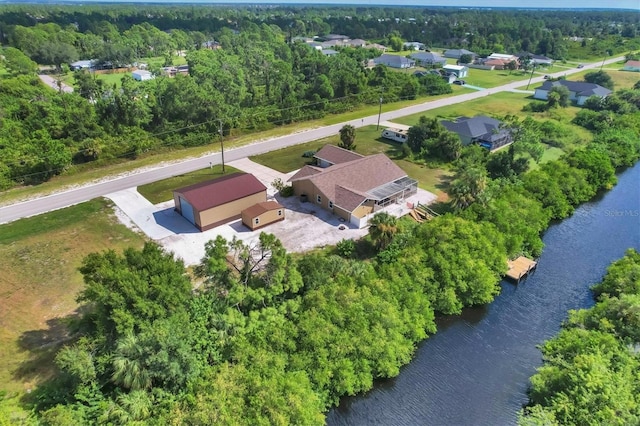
580 66
547 77
459 82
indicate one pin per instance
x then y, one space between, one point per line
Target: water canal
476 369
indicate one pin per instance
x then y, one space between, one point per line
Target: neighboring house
579 91
482 130
88 64
356 188
457 53
631 66
211 45
534 59
376 46
394 61
496 64
340 37
460 71
262 214
413 45
358 42
316 45
398 135
428 59
329 52
141 75
211 203
504 57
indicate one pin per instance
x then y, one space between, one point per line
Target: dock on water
520 268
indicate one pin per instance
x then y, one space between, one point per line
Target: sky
553 4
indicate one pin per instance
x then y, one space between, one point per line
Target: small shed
459 70
215 202
262 214
141 75
398 135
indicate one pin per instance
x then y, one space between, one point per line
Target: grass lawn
487 78
368 142
498 104
162 190
39 260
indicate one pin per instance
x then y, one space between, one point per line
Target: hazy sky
589 4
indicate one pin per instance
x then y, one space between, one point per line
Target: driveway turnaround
306 225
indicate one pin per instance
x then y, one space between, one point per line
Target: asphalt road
73 196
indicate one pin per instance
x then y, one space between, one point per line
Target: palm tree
467 187
347 137
382 228
129 369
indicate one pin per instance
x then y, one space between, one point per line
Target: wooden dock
520 267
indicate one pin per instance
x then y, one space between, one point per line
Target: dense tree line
591 367
272 338
256 81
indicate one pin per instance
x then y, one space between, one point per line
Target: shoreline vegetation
270 337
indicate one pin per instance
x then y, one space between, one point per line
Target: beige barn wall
207 219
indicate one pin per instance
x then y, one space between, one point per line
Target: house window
330 204
279 212
319 199
257 220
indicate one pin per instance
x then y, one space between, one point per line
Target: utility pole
221 143
380 108
533 68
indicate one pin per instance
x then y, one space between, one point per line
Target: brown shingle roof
216 192
349 182
305 171
259 208
336 155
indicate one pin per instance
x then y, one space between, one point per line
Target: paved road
77 195
53 83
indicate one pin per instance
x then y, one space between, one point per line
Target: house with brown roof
631 66
353 187
215 202
331 154
262 214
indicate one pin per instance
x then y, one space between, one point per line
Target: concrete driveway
305 227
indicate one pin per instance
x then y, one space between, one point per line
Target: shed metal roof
216 192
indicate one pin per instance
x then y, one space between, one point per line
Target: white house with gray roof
579 91
394 61
481 130
428 59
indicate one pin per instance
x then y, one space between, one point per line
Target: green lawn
162 190
488 79
368 142
39 260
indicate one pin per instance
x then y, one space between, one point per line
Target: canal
476 369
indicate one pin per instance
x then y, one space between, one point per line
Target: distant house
482 130
354 189
358 42
460 71
631 66
141 75
413 45
88 64
376 46
457 53
398 135
212 203
329 52
534 59
579 91
428 59
211 45
504 57
262 214
340 37
394 61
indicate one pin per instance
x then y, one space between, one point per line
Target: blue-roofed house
482 130
579 91
394 61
